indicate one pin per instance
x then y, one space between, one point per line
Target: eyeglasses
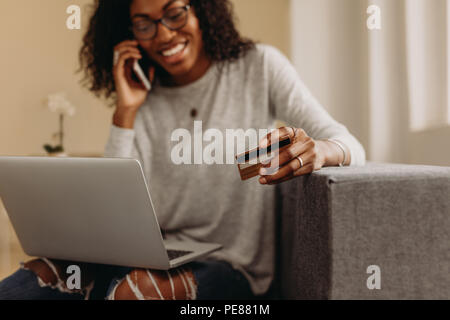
173 19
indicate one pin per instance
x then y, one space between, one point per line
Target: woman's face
180 52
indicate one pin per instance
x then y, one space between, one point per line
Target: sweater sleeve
292 102
121 143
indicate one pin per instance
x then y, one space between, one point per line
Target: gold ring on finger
301 161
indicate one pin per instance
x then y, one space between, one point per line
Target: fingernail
263 180
262 172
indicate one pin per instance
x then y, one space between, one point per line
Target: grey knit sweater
209 202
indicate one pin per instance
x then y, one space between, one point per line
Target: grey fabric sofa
336 222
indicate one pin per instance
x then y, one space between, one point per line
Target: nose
164 35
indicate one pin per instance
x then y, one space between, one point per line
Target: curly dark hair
110 23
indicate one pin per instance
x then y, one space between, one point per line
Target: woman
202 70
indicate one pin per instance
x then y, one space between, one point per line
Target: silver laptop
96 210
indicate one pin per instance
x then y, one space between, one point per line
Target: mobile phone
141 75
140 66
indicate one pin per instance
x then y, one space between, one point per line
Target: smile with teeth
177 49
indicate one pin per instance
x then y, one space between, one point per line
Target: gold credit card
250 161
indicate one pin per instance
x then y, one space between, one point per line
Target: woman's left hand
303 156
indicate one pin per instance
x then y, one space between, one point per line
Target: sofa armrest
336 222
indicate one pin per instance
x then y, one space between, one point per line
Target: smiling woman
198 61
208 35
182 56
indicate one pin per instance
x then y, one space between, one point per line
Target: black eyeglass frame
157 22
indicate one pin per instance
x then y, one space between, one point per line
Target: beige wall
266 21
39 56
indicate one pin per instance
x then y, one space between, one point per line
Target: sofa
338 228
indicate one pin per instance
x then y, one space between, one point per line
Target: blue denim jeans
215 280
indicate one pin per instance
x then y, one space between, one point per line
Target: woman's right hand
130 93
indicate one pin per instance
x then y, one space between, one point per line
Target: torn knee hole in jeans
48 276
141 284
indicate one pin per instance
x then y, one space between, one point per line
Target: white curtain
427 29
389 86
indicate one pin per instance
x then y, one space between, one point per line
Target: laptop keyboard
173 254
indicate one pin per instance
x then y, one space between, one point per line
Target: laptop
95 210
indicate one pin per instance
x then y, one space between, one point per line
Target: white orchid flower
59 103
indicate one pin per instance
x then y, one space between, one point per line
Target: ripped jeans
214 280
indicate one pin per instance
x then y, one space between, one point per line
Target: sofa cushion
336 222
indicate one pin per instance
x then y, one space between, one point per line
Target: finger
292 166
118 53
300 172
275 136
129 74
121 71
272 174
119 68
263 180
307 169
122 49
291 153
289 177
